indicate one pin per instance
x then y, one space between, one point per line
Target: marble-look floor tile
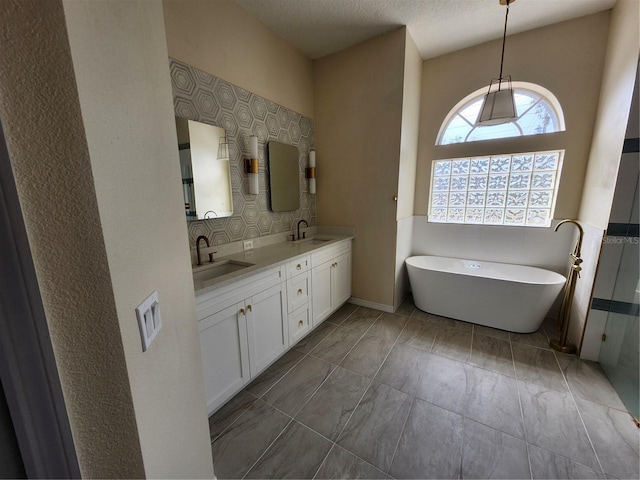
297 442
308 343
449 322
489 453
537 366
536 339
548 465
297 386
274 373
614 436
444 382
341 464
418 333
551 421
430 444
340 315
490 332
374 428
362 319
335 346
331 406
241 445
403 368
588 381
406 308
388 326
229 413
492 354
367 355
492 399
454 343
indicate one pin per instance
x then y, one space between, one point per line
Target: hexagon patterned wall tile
200 96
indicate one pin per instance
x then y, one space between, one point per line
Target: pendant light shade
499 104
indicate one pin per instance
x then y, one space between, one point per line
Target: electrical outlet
149 320
247 245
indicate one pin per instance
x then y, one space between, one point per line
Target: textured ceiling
320 27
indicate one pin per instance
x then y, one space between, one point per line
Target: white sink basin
218 269
312 241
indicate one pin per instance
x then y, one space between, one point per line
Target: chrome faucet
303 233
206 240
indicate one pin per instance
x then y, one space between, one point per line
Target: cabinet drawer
299 324
326 254
298 291
298 266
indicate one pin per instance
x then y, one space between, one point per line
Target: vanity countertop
262 259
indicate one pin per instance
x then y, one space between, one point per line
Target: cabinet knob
300 323
298 267
242 311
249 309
299 291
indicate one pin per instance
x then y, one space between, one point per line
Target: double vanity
253 306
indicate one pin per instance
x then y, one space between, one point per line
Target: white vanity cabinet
330 279
298 294
243 328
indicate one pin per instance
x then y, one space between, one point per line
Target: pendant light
499 105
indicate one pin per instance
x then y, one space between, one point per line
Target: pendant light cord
504 39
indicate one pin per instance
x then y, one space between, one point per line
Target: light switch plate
247 245
149 319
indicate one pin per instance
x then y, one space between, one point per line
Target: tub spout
562 345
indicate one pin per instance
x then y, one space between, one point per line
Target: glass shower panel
620 353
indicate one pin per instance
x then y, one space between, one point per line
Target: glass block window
517 189
538 112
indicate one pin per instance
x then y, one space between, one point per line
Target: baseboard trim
368 304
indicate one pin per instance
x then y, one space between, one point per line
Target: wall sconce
310 172
251 165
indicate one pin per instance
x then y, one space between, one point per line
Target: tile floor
411 395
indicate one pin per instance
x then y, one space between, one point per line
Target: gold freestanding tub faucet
562 345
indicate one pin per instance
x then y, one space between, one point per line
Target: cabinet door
321 292
267 326
225 354
341 280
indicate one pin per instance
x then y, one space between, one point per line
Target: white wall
121 67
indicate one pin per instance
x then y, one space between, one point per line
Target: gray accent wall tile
205 98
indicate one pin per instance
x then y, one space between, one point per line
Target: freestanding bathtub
499 295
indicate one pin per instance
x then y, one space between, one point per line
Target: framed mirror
204 163
284 177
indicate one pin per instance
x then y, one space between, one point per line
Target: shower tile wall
200 96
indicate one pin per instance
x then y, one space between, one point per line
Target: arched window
537 108
517 189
